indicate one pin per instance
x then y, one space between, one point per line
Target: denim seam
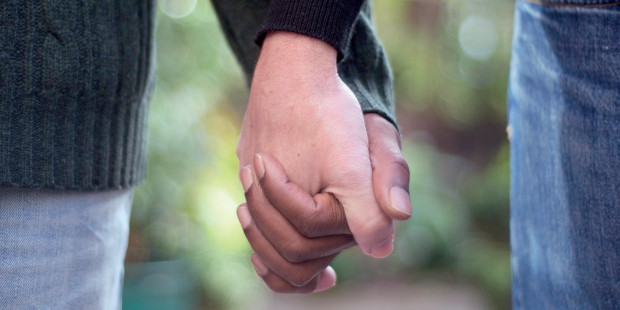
548 3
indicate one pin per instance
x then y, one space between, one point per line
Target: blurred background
450 60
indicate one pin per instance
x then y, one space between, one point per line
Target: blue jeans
62 249
564 115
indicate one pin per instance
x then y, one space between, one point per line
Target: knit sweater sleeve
364 67
328 20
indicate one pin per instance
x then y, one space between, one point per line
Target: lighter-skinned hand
287 227
303 115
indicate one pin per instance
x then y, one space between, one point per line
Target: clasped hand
319 176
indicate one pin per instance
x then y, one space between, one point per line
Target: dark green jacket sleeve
328 20
364 67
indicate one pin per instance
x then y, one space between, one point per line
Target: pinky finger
324 281
327 280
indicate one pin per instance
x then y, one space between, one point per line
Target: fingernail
259 162
327 280
400 201
383 249
244 216
246 178
259 267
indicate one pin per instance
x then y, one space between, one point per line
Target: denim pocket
579 3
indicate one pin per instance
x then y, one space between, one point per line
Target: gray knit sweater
76 79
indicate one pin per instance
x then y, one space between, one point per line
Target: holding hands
294 235
319 176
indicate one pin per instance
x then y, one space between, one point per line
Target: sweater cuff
328 20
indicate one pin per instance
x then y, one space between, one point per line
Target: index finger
317 216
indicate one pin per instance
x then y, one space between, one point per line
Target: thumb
372 229
390 172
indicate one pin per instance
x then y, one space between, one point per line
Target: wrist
297 51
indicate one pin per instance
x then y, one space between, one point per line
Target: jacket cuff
328 20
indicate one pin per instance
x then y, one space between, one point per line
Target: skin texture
327 174
294 253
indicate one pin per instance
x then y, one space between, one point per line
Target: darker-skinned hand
292 254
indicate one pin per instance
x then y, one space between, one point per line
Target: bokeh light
478 37
177 8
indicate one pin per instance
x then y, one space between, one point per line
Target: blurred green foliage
450 60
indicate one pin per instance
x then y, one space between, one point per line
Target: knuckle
279 286
301 278
336 214
326 218
317 221
401 164
307 227
247 231
374 230
390 154
294 251
305 221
